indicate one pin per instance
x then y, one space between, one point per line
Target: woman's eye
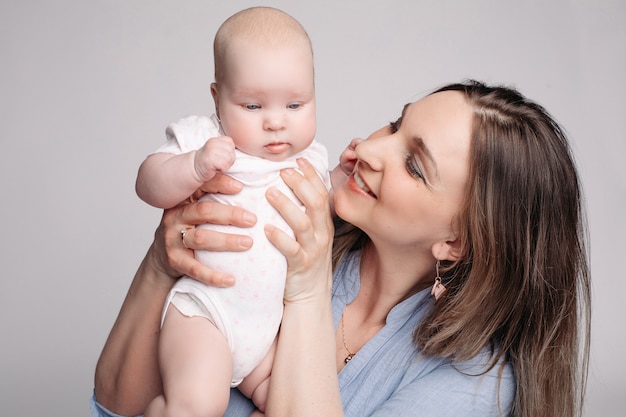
413 167
293 106
252 107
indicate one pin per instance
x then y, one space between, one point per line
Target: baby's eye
413 167
294 106
252 107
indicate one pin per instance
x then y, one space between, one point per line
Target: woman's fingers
310 226
193 214
210 240
222 184
313 193
311 174
177 258
287 245
308 252
191 267
315 200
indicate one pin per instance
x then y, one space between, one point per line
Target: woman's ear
215 100
450 250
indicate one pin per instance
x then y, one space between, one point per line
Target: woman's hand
127 374
308 254
175 258
304 374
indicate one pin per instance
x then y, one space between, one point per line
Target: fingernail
228 281
249 218
245 241
288 171
273 192
236 184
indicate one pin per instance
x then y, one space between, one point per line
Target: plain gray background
87 88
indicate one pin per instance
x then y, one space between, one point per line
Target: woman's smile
362 185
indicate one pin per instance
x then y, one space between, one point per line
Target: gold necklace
343 335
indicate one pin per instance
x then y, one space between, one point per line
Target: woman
461 284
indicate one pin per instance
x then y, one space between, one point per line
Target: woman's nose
372 152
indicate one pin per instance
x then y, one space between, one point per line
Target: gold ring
182 236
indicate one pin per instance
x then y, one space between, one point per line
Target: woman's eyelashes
413 167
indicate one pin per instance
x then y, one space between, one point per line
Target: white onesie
249 313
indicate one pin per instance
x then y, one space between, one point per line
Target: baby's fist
217 155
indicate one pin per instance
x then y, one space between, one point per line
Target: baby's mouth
277 147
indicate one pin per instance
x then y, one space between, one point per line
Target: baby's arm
164 179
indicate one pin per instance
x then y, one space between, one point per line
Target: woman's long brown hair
522 284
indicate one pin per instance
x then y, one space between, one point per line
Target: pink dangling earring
438 287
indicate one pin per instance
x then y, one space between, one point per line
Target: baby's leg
196 368
256 384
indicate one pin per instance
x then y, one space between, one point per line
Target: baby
217 338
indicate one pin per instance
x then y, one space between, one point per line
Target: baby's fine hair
265 26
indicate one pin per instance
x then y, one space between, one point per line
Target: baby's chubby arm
165 179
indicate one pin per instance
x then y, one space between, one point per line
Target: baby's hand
347 161
217 155
348 158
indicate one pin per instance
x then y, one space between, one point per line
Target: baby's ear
449 250
214 95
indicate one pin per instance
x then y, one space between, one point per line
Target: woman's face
408 184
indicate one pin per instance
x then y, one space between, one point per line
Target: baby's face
266 102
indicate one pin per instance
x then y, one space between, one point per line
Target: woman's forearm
127 374
304 377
